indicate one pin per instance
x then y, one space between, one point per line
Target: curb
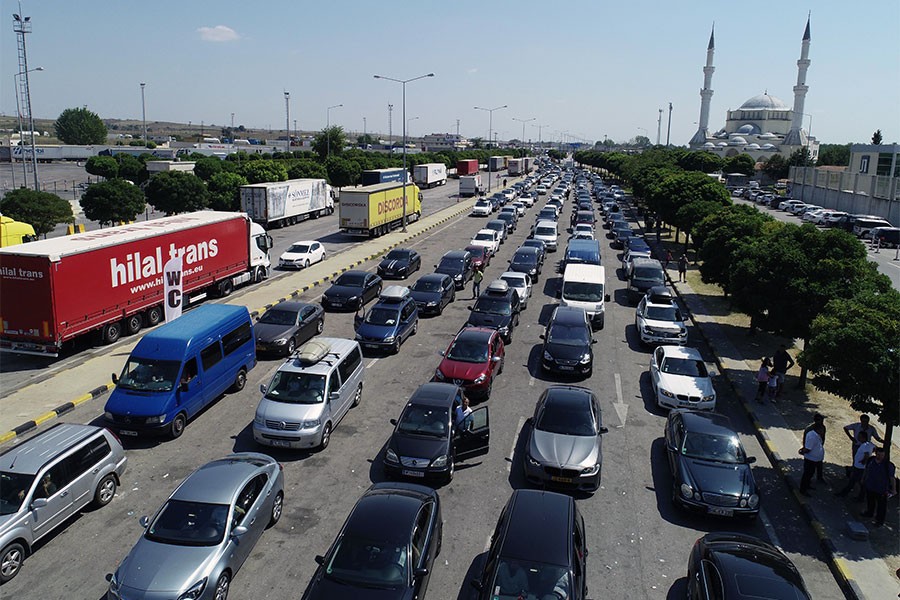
103 389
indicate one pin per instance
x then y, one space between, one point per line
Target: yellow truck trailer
13 232
374 210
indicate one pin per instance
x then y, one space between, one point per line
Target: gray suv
47 479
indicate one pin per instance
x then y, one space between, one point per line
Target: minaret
706 93
796 136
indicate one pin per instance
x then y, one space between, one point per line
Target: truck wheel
133 324
153 316
225 288
112 332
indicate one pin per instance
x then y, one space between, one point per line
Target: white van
583 286
547 232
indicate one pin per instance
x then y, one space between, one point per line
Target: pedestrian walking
682 267
880 484
477 278
813 452
864 450
762 380
667 259
854 430
781 362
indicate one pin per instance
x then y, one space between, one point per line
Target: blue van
181 367
583 251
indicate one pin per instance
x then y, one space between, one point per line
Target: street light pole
523 121
143 114
490 132
287 119
403 83
328 126
669 127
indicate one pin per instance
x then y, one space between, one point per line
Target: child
772 386
762 380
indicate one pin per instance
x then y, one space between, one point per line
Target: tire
133 324
11 561
112 332
222 585
240 380
395 349
176 428
277 509
502 364
415 328
306 264
105 491
357 396
225 288
326 437
487 392
321 326
153 316
291 346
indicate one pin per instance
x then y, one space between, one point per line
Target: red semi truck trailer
111 280
468 166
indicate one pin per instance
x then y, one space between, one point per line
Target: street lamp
287 119
403 83
490 132
143 114
540 131
328 125
523 121
21 130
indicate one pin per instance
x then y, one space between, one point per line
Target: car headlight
114 584
532 271
687 491
195 591
156 419
504 330
310 424
439 375
258 420
431 303
753 501
531 460
480 378
586 358
108 416
352 298
389 339
358 337
591 470
458 276
666 393
280 342
709 398
548 356
391 456
440 462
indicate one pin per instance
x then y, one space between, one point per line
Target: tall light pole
540 131
364 130
328 126
232 121
143 114
21 128
658 126
523 121
391 126
21 27
669 128
287 118
403 83
410 120
490 132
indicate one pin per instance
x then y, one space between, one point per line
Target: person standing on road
477 278
854 430
818 425
762 380
781 362
880 484
667 259
865 449
813 452
682 267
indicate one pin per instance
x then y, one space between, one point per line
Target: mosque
764 125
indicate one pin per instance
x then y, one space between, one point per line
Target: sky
582 69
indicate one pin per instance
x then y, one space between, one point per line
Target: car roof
481 334
753 569
303 242
434 394
218 481
29 456
704 422
434 277
681 352
456 254
538 515
568 315
513 274
527 250
386 512
337 348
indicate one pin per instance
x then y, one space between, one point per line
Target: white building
435 142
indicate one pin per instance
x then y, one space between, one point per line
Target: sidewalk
864 567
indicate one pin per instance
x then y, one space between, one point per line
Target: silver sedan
197 541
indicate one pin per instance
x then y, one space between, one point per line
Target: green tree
262 171
132 168
224 190
834 154
113 201
683 188
175 192
800 158
720 239
342 172
333 137
366 140
102 166
641 141
41 210
307 169
80 126
776 167
739 163
205 168
876 137
688 216
705 162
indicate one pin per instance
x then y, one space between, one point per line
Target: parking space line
372 362
770 529
512 451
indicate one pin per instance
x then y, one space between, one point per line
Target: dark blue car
390 321
432 292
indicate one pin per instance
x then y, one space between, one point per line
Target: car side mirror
471 307
559 293
394 422
239 531
38 503
604 430
441 352
541 336
751 460
476 583
496 359
262 388
115 378
421 572
435 266
334 397
320 559
108 577
593 340
144 521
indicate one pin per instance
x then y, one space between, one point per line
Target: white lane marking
372 362
770 529
618 379
619 405
512 450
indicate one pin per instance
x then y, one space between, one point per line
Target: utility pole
232 120
364 130
287 119
669 128
658 126
143 114
390 127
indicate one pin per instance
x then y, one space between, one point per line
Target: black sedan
432 292
568 345
399 263
386 548
527 260
710 470
733 565
287 325
352 290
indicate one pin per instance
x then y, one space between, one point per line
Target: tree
41 210
333 137
740 163
853 350
113 201
775 167
366 140
132 168
342 172
102 166
175 192
876 137
641 141
205 168
682 188
834 154
80 126
800 158
224 190
705 162
720 239
262 171
307 169
692 213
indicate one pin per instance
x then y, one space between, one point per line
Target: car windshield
351 279
517 579
13 489
425 285
534 244
279 316
482 203
545 231
496 306
368 563
382 316
484 236
521 258
476 251
689 367
297 388
515 282
582 291
648 274
397 255
298 248
185 523
570 335
471 351
149 375
566 418
722 448
664 313
431 421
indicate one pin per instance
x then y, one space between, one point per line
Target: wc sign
172 275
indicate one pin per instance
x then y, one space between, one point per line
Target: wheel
326 436
306 264
112 332
321 326
105 491
177 426
291 346
452 466
502 364
133 324
240 380
153 316
357 396
396 347
225 288
277 507
11 561
260 274
222 586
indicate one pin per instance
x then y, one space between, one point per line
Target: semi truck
516 166
469 185
110 281
13 232
467 166
497 163
374 210
430 175
281 203
374 176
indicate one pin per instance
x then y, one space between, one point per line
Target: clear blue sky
589 67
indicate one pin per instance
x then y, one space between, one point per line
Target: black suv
458 265
496 308
568 343
517 567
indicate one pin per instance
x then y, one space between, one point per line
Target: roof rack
313 352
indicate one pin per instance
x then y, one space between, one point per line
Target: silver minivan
47 479
309 395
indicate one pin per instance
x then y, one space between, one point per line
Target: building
764 125
435 142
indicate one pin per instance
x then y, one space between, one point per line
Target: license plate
558 479
412 473
722 512
565 368
281 444
128 432
370 345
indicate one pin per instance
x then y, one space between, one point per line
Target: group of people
771 374
869 469
682 264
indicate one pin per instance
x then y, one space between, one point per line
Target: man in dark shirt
781 362
879 485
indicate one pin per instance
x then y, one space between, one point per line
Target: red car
473 359
481 256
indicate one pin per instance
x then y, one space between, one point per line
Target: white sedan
302 254
521 282
680 379
482 208
488 238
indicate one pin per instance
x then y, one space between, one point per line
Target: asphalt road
638 542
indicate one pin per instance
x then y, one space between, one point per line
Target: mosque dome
752 147
737 141
764 102
768 136
709 145
769 147
723 144
748 129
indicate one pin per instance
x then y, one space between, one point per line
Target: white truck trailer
429 175
282 203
